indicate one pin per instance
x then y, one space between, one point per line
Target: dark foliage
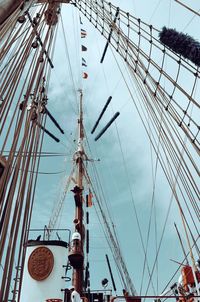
181 43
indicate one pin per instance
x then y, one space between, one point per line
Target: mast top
80 153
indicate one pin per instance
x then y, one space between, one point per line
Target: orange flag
85 75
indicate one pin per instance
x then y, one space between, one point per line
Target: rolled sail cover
181 43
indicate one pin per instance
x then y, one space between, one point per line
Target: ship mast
80 151
79 157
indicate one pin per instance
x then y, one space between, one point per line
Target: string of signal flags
83 49
85 76
89 196
89 201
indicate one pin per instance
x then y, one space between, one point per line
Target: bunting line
83 35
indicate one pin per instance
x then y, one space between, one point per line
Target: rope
130 51
17 199
69 63
116 248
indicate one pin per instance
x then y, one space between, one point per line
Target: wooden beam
7 7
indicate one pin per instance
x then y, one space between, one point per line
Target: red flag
83 33
85 75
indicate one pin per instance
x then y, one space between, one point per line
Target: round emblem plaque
40 263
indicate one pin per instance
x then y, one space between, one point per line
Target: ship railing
98 295
46 233
155 298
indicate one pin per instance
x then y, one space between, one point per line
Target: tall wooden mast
78 252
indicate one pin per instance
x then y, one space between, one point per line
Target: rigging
166 106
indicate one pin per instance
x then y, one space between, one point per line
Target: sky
125 166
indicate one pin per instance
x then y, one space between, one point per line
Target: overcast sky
125 166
